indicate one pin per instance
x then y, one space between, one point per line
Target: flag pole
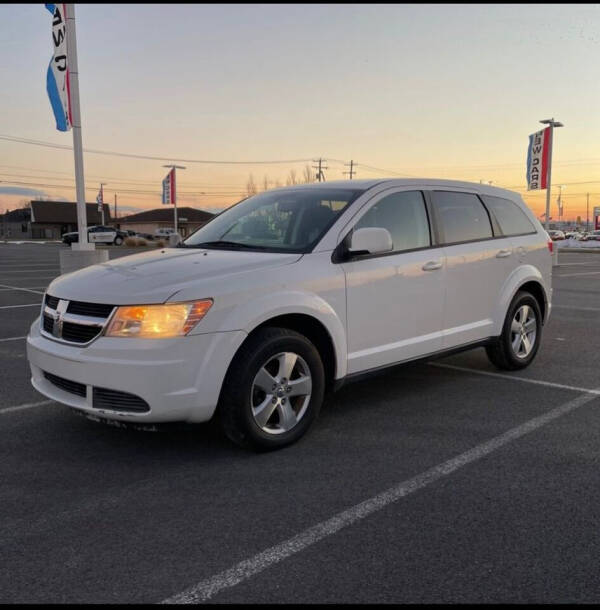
549 178
73 86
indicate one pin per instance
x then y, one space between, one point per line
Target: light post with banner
62 85
169 190
539 165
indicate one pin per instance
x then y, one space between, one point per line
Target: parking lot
447 481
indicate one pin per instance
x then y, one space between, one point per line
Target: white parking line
7 287
575 308
13 338
250 567
24 271
577 274
550 384
18 288
30 405
56 265
37 277
15 306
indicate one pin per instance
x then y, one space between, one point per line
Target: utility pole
319 168
174 192
587 213
115 208
352 170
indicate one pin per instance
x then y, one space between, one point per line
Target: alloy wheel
281 393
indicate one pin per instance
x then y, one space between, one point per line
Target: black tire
235 404
118 240
501 354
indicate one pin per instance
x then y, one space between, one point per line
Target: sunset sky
446 91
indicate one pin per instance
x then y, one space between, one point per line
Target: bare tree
307 174
291 178
266 183
251 186
23 204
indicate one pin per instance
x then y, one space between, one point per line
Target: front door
395 300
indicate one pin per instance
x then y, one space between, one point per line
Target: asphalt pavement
437 482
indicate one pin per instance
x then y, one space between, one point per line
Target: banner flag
168 186
537 159
57 76
100 199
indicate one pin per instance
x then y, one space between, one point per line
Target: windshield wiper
227 244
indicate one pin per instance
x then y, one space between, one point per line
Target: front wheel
273 390
518 344
118 240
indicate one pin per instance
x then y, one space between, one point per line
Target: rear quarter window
510 216
461 217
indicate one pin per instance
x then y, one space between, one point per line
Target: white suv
290 293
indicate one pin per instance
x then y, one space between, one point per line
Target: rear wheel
518 344
118 240
273 390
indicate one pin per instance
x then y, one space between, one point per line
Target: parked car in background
288 295
98 234
556 235
163 233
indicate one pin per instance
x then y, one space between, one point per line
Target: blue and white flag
57 77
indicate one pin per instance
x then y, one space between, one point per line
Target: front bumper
180 378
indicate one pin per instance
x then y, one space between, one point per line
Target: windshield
287 220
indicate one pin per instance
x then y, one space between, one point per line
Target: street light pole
174 167
552 123
587 213
82 243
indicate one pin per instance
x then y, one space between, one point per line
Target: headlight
157 321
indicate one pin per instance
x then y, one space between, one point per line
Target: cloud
18 190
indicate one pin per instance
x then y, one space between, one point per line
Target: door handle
432 266
503 253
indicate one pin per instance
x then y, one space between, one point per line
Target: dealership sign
168 188
57 76
537 159
596 218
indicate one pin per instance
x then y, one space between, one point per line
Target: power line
137 191
386 171
146 157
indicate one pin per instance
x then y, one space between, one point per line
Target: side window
404 216
510 217
461 216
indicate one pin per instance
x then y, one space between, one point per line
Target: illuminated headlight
157 321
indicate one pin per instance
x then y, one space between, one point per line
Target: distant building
188 220
48 219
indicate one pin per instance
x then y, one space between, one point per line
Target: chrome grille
74 322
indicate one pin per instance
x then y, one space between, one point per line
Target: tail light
551 246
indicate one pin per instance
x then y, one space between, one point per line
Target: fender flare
261 310
519 277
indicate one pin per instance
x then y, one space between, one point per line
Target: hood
152 277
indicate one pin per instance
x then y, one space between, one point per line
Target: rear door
394 299
479 259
